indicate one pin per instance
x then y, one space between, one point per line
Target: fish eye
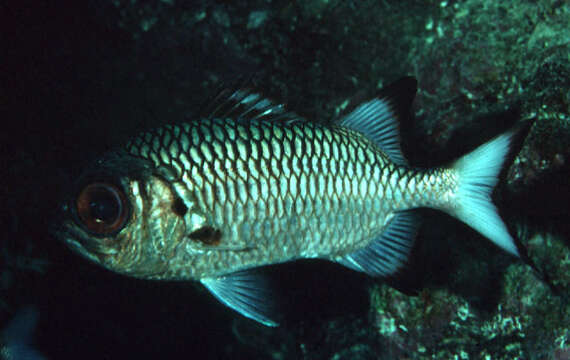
102 208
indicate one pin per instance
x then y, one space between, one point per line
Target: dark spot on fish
179 207
207 235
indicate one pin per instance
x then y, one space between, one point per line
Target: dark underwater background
78 78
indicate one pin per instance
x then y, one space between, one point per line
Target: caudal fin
478 174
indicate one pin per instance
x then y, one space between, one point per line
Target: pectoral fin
246 292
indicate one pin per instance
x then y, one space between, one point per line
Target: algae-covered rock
529 320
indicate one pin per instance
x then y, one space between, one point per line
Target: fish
16 337
251 184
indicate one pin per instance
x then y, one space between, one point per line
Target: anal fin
389 251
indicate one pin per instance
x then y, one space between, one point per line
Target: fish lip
94 252
82 243
70 232
77 247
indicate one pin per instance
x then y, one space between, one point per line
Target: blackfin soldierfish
252 184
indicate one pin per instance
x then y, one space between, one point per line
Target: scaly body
277 191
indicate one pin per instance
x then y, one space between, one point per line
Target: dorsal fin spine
244 105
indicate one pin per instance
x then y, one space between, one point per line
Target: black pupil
104 206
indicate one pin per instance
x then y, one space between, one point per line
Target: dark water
78 77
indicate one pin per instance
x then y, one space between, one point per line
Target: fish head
122 215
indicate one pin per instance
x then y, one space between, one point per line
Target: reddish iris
102 208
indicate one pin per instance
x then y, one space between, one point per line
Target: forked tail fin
478 173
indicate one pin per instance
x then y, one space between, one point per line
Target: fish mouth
77 247
79 241
96 252
70 232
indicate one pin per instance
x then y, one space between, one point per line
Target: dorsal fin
245 105
378 119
